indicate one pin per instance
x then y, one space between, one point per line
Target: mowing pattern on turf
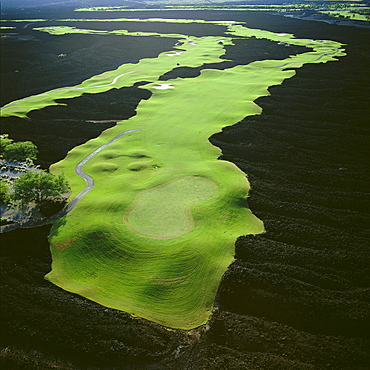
164 212
157 231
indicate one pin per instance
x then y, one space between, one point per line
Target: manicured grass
157 232
164 211
63 30
195 52
348 14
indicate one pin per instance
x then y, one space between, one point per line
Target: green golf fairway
192 53
164 265
155 234
346 13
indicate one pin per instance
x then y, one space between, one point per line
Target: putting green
157 231
164 212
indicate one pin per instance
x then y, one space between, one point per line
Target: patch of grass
105 167
196 51
164 211
349 14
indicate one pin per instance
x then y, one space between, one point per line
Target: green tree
4 191
20 151
4 142
38 187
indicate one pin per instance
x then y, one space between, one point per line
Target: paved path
89 180
89 185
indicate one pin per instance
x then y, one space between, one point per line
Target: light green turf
348 13
63 30
194 52
144 240
164 211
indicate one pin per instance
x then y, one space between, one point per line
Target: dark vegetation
28 184
4 142
18 151
296 297
4 191
39 187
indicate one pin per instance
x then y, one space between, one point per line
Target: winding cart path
79 168
89 185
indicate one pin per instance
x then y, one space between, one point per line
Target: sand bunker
164 86
173 54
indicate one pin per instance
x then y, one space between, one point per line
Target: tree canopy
20 151
4 191
38 187
4 142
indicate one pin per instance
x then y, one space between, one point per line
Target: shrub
4 191
4 142
39 187
20 151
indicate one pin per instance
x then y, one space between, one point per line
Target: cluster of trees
33 185
18 151
4 191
